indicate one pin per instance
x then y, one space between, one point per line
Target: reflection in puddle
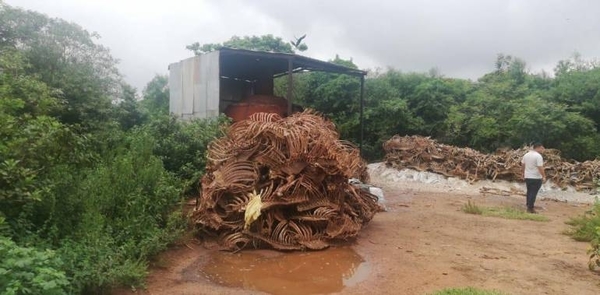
319 272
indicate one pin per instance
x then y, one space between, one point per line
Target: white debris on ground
374 190
428 181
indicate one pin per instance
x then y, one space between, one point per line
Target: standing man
533 173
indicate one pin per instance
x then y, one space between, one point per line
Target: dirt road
425 243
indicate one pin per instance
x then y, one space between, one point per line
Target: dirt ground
424 243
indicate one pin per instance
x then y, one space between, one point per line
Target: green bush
584 227
128 210
96 264
182 145
103 200
100 183
4 227
30 271
587 228
595 251
32 145
107 219
471 208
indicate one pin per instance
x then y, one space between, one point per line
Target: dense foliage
25 270
586 227
594 251
92 177
508 107
267 43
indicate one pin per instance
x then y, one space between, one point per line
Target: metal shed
203 86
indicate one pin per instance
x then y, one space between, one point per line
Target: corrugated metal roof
241 63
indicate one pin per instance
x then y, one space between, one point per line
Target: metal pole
362 106
290 87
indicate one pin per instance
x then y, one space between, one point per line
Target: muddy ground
424 243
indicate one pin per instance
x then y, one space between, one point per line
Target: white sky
459 37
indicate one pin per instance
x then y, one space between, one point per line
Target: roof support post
362 106
290 88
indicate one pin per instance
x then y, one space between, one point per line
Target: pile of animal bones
282 183
425 154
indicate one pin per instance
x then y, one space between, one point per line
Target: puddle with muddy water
318 272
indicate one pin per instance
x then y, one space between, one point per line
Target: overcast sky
459 37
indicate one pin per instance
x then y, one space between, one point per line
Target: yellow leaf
252 209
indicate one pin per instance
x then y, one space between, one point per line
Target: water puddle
318 272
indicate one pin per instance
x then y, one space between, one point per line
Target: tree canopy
267 43
508 107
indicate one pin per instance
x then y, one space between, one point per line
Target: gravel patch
428 181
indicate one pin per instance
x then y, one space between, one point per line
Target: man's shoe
532 211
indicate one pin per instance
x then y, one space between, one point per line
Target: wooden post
290 88
362 106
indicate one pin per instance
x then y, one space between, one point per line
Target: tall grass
471 208
584 227
502 212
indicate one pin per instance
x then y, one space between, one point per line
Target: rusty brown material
425 154
299 168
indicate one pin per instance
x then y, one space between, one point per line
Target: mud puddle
318 272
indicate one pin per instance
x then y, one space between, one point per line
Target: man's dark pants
533 186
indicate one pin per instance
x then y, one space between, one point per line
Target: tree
156 95
336 96
33 142
575 64
64 56
386 114
535 119
128 112
511 107
267 43
577 85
